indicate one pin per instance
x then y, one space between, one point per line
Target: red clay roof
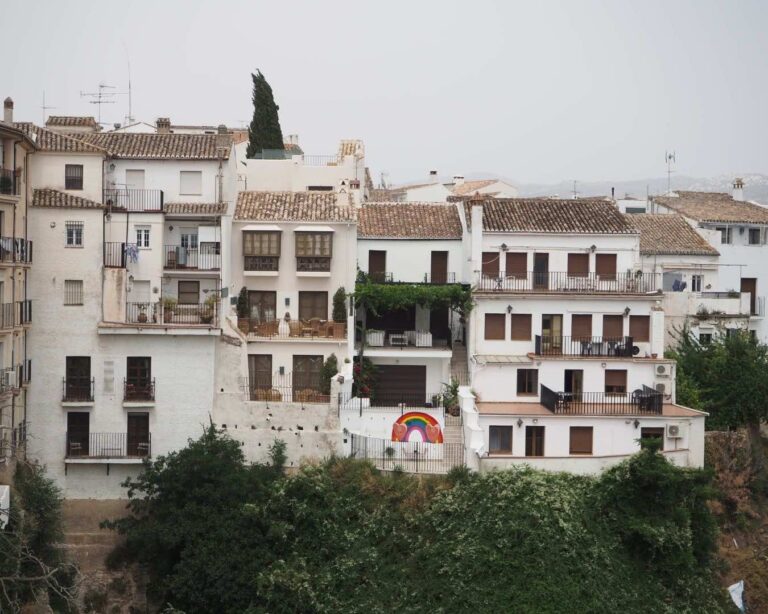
409 221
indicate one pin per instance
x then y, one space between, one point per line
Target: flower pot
167 316
142 317
654 355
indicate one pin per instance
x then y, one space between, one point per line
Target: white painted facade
409 260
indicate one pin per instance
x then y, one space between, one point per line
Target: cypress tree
264 131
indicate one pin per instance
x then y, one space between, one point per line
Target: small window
640 328
490 264
581 326
613 327
73 177
615 381
527 382
754 236
652 433
581 440
521 327
189 239
191 183
500 439
517 265
605 266
725 234
534 441
73 292
696 282
494 326
189 292
319 188
705 338
578 265
142 237
74 234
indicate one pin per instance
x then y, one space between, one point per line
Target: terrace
82 446
644 401
134 200
569 283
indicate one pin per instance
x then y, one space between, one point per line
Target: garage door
401 384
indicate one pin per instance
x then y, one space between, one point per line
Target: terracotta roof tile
669 234
293 206
71 120
470 187
196 208
156 146
714 207
48 140
47 197
409 221
582 216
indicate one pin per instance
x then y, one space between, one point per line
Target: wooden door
306 375
541 271
377 265
78 433
439 268
749 284
574 383
138 434
534 441
262 306
138 378
78 382
438 324
259 376
552 332
401 384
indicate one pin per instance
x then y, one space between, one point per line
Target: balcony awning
502 359
262 227
313 229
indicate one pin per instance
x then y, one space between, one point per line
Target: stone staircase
459 364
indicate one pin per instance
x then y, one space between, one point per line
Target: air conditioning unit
676 431
662 370
9 379
661 387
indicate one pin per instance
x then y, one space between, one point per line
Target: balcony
9 183
132 200
605 347
179 258
313 264
15 250
394 400
107 445
286 388
180 314
116 254
138 390
24 372
385 277
261 263
645 401
402 339
314 329
15 314
565 283
77 389
24 312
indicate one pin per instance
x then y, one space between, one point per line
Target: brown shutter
494 326
578 265
517 264
615 380
439 267
313 305
640 328
613 327
490 264
521 327
581 440
605 266
581 326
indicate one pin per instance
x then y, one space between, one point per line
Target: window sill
77 403
261 273
74 246
313 273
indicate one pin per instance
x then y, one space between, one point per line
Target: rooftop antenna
384 179
574 191
45 108
670 159
101 97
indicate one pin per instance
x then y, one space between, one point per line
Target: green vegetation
380 298
264 131
220 535
340 305
330 368
242 303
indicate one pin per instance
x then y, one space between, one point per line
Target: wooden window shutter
605 266
521 327
517 264
581 326
490 264
578 265
581 440
494 326
613 327
640 328
615 380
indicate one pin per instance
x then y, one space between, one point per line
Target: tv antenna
45 108
574 192
670 158
101 97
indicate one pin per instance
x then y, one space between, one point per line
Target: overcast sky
534 91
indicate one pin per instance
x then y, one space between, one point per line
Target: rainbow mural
417 422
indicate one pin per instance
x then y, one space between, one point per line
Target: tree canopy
264 131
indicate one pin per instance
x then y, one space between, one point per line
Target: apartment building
566 340
129 296
15 304
738 230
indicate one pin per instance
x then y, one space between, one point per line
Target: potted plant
142 317
339 313
169 305
208 310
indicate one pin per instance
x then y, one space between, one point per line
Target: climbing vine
380 298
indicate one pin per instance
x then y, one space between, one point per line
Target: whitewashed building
496 188
566 341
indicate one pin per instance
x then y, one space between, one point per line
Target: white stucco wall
410 260
47 170
165 175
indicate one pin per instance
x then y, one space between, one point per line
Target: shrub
340 305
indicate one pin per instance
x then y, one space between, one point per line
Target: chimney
8 110
433 176
476 248
163 125
223 137
458 179
738 189
293 139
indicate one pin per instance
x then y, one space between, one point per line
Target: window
490 264
521 327
635 209
306 375
137 438
527 381
705 338
500 439
578 265
613 327
581 326
73 291
189 239
78 379
615 381
191 182
319 188
78 433
652 433
581 440
262 306
725 234
640 328
138 379
142 236
517 265
74 232
260 376
134 179
313 305
377 265
754 236
261 250
314 251
696 281
494 326
73 177
189 292
605 266
534 441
